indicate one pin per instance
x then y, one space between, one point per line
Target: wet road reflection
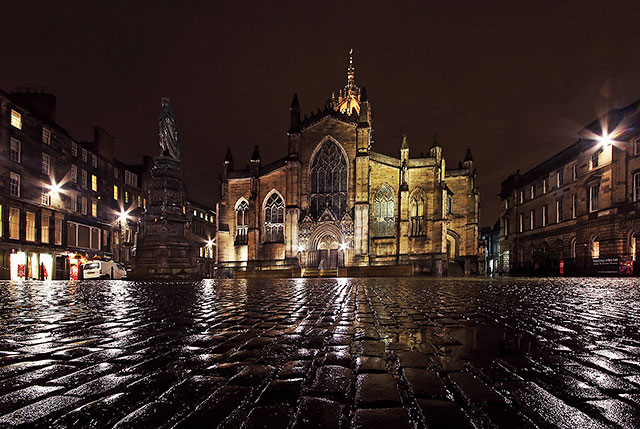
350 352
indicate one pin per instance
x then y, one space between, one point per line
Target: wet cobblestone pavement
321 353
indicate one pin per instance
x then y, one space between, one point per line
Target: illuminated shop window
16 119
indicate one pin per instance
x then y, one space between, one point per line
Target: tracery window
384 212
274 219
328 181
416 214
242 222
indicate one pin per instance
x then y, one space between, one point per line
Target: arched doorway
325 248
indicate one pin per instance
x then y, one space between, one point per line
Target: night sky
515 81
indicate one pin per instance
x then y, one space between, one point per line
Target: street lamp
605 140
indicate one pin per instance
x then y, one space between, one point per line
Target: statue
168 131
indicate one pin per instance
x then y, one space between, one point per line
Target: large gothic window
328 181
242 222
384 220
274 219
416 213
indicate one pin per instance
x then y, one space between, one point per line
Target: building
201 233
61 200
490 249
333 201
577 212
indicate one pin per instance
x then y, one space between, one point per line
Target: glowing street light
210 242
301 248
344 246
605 140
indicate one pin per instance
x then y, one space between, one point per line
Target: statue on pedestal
168 131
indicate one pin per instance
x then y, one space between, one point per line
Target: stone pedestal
163 251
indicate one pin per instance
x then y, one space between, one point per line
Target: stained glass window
328 181
383 212
242 222
274 219
416 213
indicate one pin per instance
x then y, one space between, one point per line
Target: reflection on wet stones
321 353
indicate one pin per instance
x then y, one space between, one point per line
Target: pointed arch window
384 212
242 222
416 214
328 177
274 219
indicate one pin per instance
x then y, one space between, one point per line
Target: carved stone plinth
163 251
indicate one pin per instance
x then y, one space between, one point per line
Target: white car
103 270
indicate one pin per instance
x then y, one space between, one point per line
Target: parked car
103 270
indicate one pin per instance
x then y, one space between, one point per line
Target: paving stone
213 410
268 417
382 418
443 414
473 390
506 416
37 411
372 348
370 364
318 413
282 391
19 398
376 390
411 359
103 412
332 379
618 412
253 375
424 383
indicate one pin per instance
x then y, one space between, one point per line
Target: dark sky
514 81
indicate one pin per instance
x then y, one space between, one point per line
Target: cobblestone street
322 353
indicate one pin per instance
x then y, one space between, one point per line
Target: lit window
595 160
74 173
574 171
521 223
328 181
560 178
545 185
16 150
94 161
594 194
506 204
531 219
506 227
94 183
46 163
144 203
46 135
384 219
545 214
558 210
115 192
201 215
195 213
16 119
206 217
14 184
14 223
84 179
636 187
31 226
139 201
274 219
574 206
521 197
44 227
58 231
46 197
533 191
84 155
74 149
94 208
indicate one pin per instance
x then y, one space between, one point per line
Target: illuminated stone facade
579 207
334 202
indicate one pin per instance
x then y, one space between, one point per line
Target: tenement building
577 212
333 201
64 201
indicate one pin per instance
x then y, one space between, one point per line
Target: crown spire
351 71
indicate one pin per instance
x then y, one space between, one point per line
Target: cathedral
334 203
